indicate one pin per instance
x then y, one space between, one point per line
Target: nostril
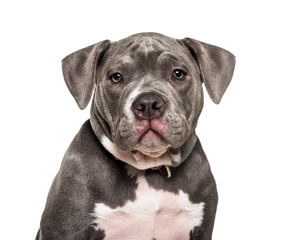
140 107
157 105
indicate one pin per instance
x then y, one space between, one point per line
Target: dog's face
152 92
148 93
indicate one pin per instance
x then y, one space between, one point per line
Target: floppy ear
216 66
79 71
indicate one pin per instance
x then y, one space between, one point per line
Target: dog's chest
154 214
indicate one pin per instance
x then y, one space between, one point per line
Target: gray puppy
136 169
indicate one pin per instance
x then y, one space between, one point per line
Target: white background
248 138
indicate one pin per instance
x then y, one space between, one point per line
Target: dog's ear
79 71
216 66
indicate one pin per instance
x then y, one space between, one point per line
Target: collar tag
165 171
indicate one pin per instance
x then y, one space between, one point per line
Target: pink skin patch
154 214
159 126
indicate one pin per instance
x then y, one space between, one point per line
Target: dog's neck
141 158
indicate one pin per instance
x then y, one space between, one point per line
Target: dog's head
147 92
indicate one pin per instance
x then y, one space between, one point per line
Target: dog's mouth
145 144
151 139
152 134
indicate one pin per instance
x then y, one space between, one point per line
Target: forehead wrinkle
171 58
122 62
167 56
126 60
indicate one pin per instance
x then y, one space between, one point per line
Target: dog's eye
116 77
179 74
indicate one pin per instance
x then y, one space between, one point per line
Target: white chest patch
154 214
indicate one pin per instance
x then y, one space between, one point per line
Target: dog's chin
152 144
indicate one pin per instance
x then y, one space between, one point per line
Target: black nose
148 106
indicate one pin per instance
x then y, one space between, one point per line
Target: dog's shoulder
85 147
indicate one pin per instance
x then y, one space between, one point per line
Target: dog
136 169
